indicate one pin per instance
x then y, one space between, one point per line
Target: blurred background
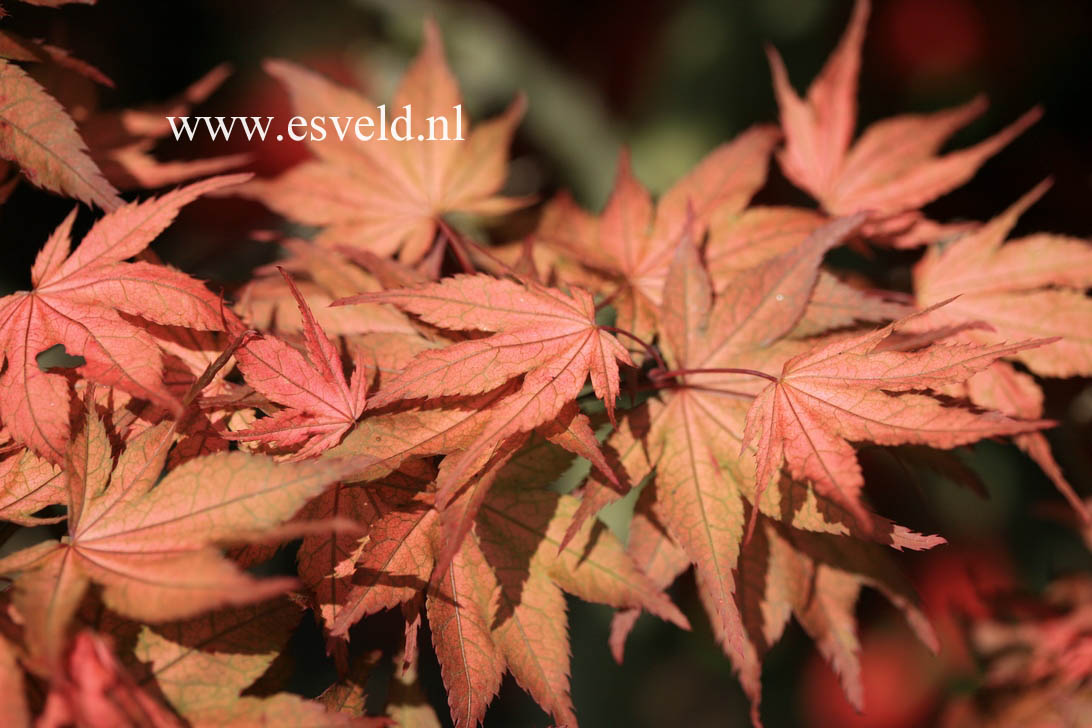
671 80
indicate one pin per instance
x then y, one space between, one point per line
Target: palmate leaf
1025 288
549 338
320 404
536 330
855 389
396 441
153 549
79 300
1035 657
1031 287
498 605
203 663
327 559
693 435
519 535
740 242
894 167
322 276
693 440
197 668
386 196
695 431
440 414
633 242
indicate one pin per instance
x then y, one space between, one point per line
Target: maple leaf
894 167
449 427
191 356
516 555
816 578
202 665
348 695
428 479
39 136
15 47
386 195
152 549
406 703
738 242
690 433
322 276
1030 287
499 604
440 427
742 240
633 242
320 405
328 560
391 441
853 388
692 437
396 545
79 301
549 338
198 667
1003 388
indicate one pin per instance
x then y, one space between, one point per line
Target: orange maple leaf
499 604
152 546
859 388
894 167
91 302
1030 287
386 195
549 338
633 242
320 405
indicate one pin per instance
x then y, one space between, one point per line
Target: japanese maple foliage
406 401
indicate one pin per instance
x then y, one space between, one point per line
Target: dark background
670 79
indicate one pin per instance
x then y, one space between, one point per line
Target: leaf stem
456 247
609 299
465 244
722 370
644 344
